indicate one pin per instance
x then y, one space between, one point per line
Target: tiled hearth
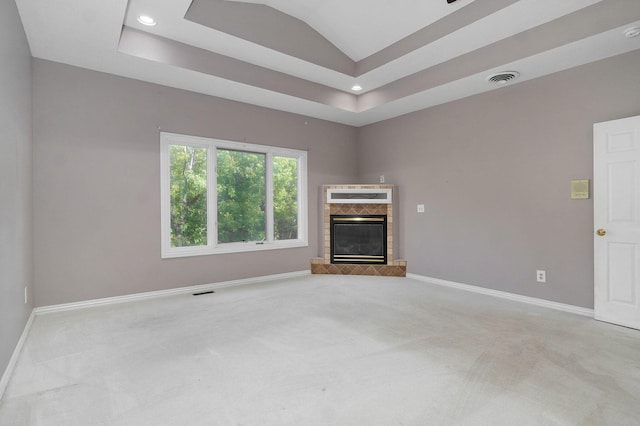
397 268
323 265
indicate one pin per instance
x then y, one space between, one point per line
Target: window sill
232 248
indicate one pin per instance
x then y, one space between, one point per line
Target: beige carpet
325 350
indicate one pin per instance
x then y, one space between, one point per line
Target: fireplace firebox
360 239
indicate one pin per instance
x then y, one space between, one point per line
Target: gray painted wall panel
494 173
15 180
97 182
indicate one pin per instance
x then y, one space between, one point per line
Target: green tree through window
241 196
188 196
253 196
285 198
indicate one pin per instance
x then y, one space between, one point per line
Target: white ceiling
407 54
354 25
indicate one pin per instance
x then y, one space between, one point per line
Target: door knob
601 232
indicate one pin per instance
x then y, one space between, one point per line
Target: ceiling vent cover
503 77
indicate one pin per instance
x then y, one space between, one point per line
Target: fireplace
358 239
358 232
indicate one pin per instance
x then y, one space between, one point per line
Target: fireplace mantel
359 196
359 200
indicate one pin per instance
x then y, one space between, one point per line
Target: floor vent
203 292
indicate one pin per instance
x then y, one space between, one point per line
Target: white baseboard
505 295
128 298
163 293
4 381
207 287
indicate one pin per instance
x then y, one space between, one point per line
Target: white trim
236 248
8 372
362 192
43 310
269 213
578 310
163 293
303 200
213 247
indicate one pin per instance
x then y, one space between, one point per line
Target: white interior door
616 193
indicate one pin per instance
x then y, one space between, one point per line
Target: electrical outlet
381 178
541 276
420 208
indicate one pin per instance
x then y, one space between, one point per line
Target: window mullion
302 198
165 176
212 195
269 196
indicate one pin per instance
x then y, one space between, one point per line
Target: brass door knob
601 232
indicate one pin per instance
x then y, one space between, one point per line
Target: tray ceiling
304 57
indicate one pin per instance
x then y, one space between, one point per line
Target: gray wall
494 173
15 180
97 182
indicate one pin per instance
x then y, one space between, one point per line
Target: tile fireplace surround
323 265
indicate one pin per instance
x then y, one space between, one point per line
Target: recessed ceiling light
146 20
632 32
356 88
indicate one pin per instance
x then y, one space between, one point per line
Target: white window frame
213 247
